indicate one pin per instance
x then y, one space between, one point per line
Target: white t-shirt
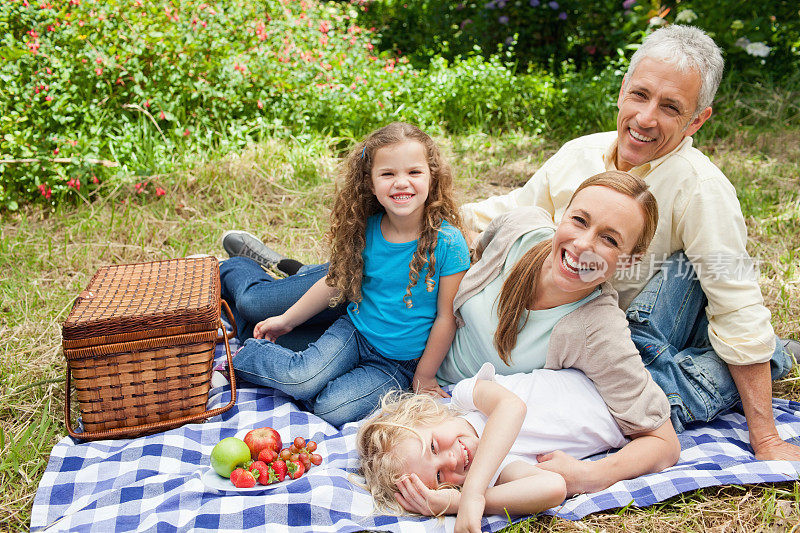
565 412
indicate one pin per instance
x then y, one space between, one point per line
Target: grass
281 191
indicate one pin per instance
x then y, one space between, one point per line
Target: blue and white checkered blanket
155 483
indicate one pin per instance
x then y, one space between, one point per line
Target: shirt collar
610 158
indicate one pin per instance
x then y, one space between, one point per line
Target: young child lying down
416 453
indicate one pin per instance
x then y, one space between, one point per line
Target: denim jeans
669 326
254 295
340 377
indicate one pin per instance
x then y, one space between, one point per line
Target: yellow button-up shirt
698 212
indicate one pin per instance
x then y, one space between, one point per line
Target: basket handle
228 312
153 426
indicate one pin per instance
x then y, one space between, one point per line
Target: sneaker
791 347
243 244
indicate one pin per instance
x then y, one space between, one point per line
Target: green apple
228 454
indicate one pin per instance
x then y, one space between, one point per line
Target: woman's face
595 237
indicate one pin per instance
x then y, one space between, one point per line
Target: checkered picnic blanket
155 483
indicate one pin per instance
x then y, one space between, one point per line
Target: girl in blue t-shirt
397 257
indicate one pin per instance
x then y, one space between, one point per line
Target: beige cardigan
593 338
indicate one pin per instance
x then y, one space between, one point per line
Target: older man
694 306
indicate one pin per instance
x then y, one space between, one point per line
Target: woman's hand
574 471
272 328
415 497
470 513
423 383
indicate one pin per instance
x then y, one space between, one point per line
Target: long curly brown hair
355 203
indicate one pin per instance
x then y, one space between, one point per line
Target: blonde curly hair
397 418
356 202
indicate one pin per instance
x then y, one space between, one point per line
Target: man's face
655 112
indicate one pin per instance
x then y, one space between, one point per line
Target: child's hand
272 328
470 513
428 385
415 497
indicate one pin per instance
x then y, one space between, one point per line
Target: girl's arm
521 489
315 300
647 452
524 489
505 412
441 336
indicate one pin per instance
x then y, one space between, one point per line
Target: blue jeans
669 326
254 295
340 377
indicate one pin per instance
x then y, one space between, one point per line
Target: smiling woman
531 276
539 297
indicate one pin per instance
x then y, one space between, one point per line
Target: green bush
758 38
146 85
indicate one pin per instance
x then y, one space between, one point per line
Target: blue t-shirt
397 331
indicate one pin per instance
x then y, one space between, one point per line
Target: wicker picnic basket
139 344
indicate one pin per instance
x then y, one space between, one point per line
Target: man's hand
754 384
427 384
472 238
272 328
774 448
415 497
574 471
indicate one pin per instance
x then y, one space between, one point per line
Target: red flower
98 70
48 98
55 152
186 133
162 116
95 180
260 105
160 191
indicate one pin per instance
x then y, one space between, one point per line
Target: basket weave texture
139 344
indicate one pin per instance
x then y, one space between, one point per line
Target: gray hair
688 48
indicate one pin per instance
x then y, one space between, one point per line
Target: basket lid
179 295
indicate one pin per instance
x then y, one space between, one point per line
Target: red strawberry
279 468
267 455
295 469
260 470
242 479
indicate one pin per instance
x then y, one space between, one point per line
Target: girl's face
401 179
444 455
596 235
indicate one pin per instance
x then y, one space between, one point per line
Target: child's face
401 178
445 454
